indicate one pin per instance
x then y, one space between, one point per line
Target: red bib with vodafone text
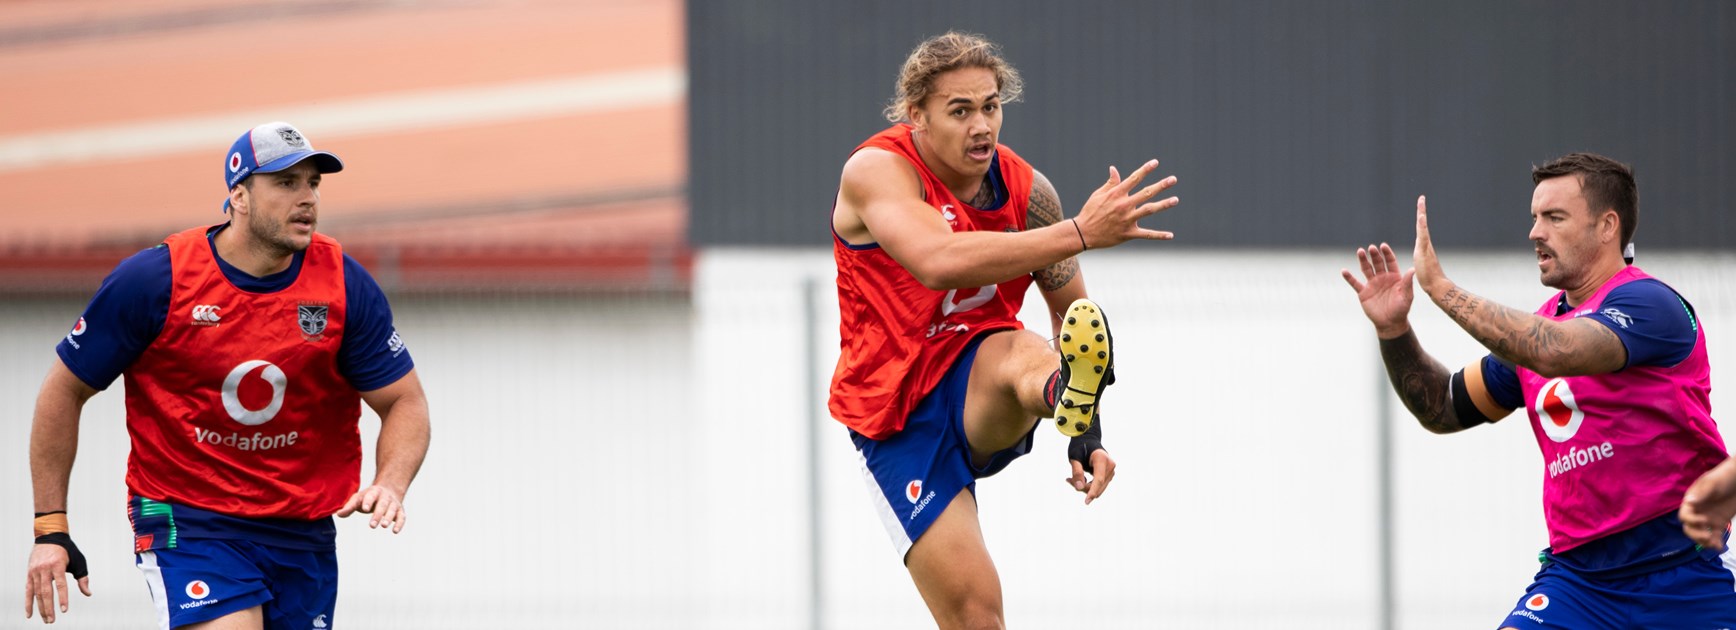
900 337
237 406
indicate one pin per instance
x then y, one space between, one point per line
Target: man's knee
975 612
1012 345
1030 344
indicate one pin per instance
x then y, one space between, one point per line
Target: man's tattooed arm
1422 383
1552 348
1045 209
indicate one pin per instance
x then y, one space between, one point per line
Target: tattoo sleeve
1421 382
1541 345
1045 210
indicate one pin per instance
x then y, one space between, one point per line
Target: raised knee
976 614
1030 341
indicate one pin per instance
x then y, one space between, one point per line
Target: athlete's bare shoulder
872 168
873 179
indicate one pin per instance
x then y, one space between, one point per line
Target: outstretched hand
1111 216
1387 294
1426 265
384 504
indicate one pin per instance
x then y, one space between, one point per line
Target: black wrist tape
75 563
1081 447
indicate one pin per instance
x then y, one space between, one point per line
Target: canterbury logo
206 315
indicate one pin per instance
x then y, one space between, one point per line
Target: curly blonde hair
944 53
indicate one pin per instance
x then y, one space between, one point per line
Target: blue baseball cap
270 148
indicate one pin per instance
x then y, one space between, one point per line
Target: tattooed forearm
1510 333
1460 304
1421 382
1045 210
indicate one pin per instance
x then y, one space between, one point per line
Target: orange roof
530 128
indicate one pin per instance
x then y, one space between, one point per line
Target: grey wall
1289 123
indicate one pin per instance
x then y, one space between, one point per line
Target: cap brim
325 162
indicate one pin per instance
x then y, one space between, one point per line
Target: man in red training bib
247 349
938 231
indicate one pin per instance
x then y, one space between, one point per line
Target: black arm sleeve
1467 411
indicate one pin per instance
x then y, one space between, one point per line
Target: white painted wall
558 491
641 462
1245 430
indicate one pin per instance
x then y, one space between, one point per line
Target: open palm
1386 295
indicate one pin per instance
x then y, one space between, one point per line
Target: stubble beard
274 240
1560 276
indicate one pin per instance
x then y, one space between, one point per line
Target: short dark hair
1607 184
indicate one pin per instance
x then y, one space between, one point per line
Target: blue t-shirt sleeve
1657 326
124 317
373 355
1502 381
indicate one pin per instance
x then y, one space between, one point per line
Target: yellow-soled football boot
1087 366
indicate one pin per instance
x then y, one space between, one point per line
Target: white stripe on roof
321 121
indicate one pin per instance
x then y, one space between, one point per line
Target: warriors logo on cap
269 148
291 136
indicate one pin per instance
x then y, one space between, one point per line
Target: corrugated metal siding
1289 124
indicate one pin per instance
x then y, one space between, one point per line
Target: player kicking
938 233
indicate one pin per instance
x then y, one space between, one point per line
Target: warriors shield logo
312 319
291 136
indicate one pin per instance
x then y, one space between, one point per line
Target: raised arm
1061 282
403 443
879 201
1423 384
1574 347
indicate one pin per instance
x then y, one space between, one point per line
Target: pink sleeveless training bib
1619 448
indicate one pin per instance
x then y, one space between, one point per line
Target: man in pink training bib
1613 374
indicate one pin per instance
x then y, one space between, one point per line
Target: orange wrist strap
51 524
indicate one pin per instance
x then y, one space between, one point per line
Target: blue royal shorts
915 473
1699 594
202 579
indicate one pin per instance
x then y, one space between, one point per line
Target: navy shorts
1698 594
202 579
913 474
